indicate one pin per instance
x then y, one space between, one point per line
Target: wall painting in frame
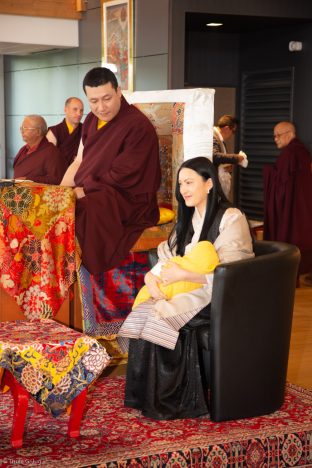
117 40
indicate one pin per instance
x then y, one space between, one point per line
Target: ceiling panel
237 23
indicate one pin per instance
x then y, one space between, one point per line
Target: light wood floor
300 355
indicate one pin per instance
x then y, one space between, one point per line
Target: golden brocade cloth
37 246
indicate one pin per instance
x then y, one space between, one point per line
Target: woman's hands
152 283
171 272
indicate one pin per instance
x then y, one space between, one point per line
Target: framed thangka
117 40
183 120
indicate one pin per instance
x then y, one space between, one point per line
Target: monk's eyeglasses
278 135
28 128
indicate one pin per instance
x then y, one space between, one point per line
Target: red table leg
20 397
77 408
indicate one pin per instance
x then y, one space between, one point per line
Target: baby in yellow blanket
202 259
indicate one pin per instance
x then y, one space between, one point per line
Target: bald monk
116 175
67 134
38 160
288 194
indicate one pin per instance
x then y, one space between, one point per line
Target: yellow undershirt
70 127
101 124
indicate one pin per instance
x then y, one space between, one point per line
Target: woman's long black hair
183 231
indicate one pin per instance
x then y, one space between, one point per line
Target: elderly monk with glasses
38 160
288 194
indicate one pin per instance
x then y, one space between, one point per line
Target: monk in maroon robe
39 160
288 195
67 134
118 175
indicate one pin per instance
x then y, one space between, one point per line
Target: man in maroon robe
67 134
116 177
38 160
288 194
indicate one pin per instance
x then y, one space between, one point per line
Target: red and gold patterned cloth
37 246
53 362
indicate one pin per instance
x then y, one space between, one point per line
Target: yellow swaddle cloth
202 259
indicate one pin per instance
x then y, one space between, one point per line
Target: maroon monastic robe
44 165
120 174
68 143
288 200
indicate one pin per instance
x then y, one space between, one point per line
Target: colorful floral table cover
37 246
51 361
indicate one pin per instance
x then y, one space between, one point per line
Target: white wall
47 32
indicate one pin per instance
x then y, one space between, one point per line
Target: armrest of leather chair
251 315
152 258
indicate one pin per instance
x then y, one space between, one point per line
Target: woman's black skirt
170 384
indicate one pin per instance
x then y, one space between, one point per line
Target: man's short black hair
99 76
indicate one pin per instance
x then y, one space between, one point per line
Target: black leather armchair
246 348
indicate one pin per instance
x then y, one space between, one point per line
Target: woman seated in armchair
163 374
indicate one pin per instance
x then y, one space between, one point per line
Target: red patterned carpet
112 436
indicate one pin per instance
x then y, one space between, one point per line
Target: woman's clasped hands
170 273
